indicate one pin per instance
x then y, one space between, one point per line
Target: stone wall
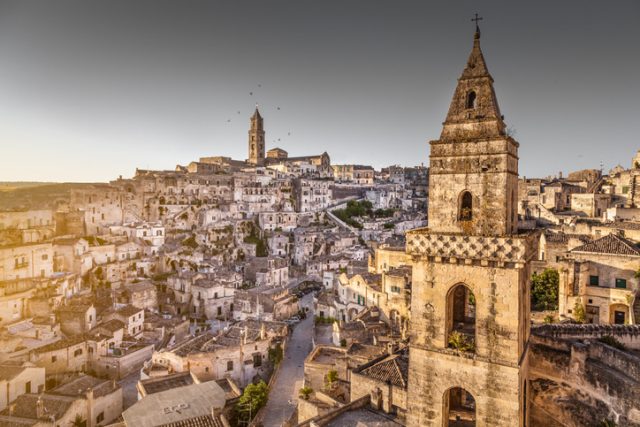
582 383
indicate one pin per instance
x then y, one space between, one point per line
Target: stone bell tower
256 140
470 296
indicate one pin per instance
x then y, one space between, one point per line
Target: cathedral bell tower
256 140
474 165
470 291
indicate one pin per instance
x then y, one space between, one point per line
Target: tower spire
474 112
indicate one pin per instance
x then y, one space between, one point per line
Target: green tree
305 392
78 422
332 377
275 354
253 398
578 312
544 290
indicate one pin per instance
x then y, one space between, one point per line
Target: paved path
129 390
283 397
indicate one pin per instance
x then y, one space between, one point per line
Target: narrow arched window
461 319
466 207
471 100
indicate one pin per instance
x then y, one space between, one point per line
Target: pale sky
92 90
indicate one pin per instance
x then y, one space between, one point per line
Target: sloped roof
26 404
610 244
393 369
201 421
10 372
79 386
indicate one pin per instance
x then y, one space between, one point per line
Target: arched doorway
461 319
460 408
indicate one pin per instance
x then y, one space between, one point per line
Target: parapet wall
576 380
629 335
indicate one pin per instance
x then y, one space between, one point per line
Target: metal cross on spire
476 19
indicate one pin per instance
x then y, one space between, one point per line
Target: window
257 360
471 100
45 257
461 318
594 281
625 189
466 207
54 359
77 353
100 417
206 369
230 365
27 387
621 283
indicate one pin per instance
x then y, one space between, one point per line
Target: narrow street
283 397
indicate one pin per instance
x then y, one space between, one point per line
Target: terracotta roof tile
393 369
201 421
610 244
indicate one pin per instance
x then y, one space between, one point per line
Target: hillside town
284 290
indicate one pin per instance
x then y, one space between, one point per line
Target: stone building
256 139
470 270
601 276
25 261
17 378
